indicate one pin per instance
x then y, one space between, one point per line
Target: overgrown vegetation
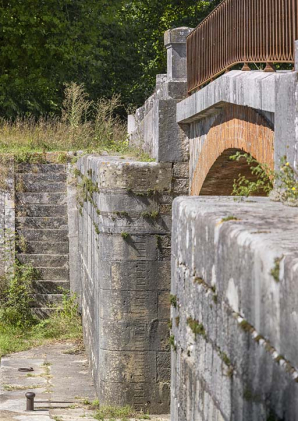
111 47
285 180
85 125
123 413
15 297
20 329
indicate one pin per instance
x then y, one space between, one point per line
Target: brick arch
235 128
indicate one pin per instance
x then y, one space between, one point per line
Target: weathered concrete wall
124 253
153 127
234 318
7 213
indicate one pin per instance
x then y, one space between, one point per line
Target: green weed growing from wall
285 180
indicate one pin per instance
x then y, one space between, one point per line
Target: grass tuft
124 413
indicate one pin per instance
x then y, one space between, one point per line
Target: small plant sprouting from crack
275 271
196 327
150 215
122 213
172 342
246 326
199 280
229 218
125 235
225 358
177 321
96 228
173 300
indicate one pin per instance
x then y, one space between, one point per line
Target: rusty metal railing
241 31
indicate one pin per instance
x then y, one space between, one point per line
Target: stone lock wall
124 259
234 310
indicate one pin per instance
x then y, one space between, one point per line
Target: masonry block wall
34 223
124 257
234 310
153 127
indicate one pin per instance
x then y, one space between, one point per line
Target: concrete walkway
60 379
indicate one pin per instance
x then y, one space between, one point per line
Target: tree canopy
112 46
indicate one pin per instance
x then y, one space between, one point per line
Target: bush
16 299
63 323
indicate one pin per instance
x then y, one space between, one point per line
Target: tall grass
83 125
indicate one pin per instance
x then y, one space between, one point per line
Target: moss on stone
229 218
173 300
199 280
196 327
172 342
275 271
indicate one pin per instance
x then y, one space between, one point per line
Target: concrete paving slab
60 379
60 375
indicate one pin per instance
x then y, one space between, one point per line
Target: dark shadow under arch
220 178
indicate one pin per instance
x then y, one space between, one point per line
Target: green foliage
63 323
20 330
173 300
285 179
196 327
44 44
111 47
124 413
150 215
225 358
275 271
172 342
125 235
263 174
229 218
147 21
16 300
84 125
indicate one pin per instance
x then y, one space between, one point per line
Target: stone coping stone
255 89
248 250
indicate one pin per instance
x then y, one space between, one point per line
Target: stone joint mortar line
258 338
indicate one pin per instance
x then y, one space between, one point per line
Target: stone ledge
254 89
248 251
